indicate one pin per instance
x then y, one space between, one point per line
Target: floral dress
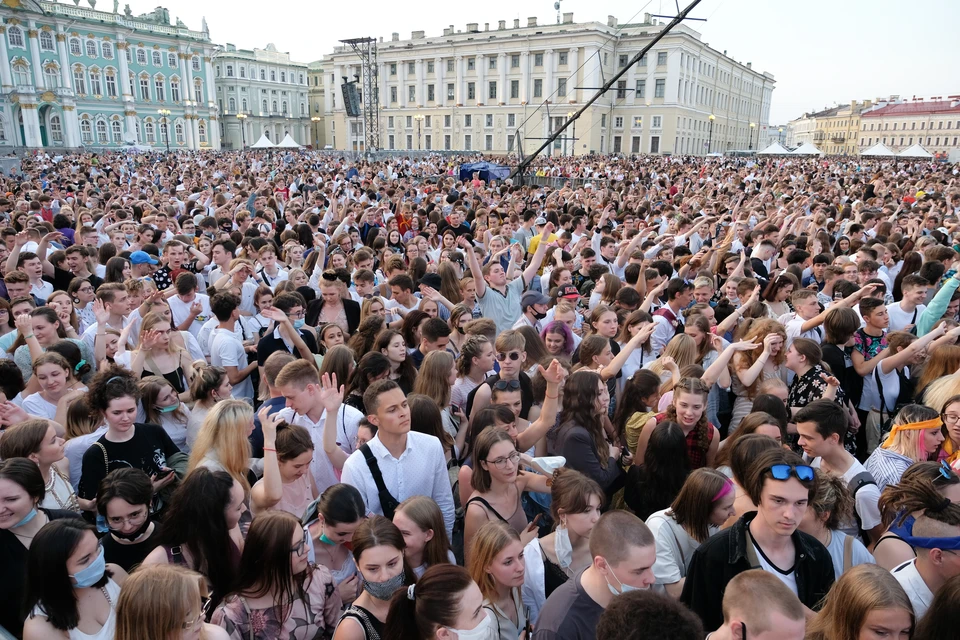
809 387
312 618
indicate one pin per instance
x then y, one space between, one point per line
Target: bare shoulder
213 632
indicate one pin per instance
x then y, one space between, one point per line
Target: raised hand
196 308
331 396
748 345
830 380
149 340
669 363
554 373
268 423
24 324
272 313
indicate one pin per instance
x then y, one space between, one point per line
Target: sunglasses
507 385
946 471
513 355
783 471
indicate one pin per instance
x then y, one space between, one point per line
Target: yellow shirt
535 242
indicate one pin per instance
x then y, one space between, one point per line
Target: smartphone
163 473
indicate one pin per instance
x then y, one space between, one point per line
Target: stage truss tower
366 50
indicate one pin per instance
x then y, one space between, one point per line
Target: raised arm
749 376
332 397
268 493
474 263
537 259
636 341
554 375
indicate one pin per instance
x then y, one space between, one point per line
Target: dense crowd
289 395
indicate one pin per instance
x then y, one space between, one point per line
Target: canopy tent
262 143
916 151
488 171
807 149
775 149
878 150
288 143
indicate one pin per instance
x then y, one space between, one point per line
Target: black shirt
269 344
129 556
61 279
148 450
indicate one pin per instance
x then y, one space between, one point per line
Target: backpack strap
382 490
106 461
847 553
856 483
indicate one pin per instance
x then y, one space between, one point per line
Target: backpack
856 483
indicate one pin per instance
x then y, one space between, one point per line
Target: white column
573 64
591 72
31 125
337 82
124 79
130 120
328 95
481 79
188 131
503 92
35 55
381 85
548 89
71 125
441 90
6 75
213 131
421 97
525 82
211 93
461 89
402 83
632 85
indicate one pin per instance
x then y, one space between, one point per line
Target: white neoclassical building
75 77
261 92
474 89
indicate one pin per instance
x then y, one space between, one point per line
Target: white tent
878 150
775 149
288 143
807 149
916 151
262 143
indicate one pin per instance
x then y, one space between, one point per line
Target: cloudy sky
821 52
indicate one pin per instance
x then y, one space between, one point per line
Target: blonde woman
223 442
158 355
752 367
916 436
866 602
209 386
680 352
164 602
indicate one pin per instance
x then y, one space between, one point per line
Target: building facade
933 124
476 90
74 77
835 131
267 90
316 94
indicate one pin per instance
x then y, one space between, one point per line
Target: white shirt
794 327
348 423
789 579
858 552
900 318
891 389
867 497
90 335
226 350
675 547
74 450
180 311
917 590
43 291
663 333
35 405
420 471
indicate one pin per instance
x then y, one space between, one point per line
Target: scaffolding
366 49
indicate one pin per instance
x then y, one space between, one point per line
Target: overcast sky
821 52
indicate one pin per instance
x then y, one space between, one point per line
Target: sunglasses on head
506 385
513 355
801 471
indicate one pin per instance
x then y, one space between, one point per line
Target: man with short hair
402 299
310 402
407 462
669 318
936 540
822 426
189 309
904 314
142 264
806 320
175 258
434 336
781 486
226 347
623 552
534 306
755 602
763 255
18 286
115 300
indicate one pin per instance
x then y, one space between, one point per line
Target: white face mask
483 631
563 547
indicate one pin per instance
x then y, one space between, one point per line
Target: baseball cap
431 280
568 291
533 297
142 257
540 221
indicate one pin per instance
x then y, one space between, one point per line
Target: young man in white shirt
188 308
226 347
936 561
402 299
409 462
269 270
904 314
822 426
806 321
112 299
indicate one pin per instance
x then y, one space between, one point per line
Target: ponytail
434 601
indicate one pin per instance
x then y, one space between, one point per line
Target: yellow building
315 96
837 132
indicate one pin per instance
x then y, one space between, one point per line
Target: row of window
283 110
95 130
931 141
242 70
913 125
427 142
104 83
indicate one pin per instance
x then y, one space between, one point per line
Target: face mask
461 331
88 224
27 518
325 540
169 409
624 588
539 316
482 631
563 547
298 324
383 590
129 237
136 534
91 574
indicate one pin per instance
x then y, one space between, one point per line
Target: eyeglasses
506 385
513 355
501 463
801 471
302 544
193 624
296 316
949 418
133 519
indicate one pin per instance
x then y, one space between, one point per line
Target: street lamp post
711 118
753 125
419 118
569 116
242 117
780 135
165 113
316 133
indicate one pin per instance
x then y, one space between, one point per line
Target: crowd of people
254 395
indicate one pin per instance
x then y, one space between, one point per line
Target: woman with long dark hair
392 344
70 591
655 482
912 262
580 438
373 366
277 591
445 601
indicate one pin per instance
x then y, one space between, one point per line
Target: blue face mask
169 409
624 588
92 573
298 324
27 518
